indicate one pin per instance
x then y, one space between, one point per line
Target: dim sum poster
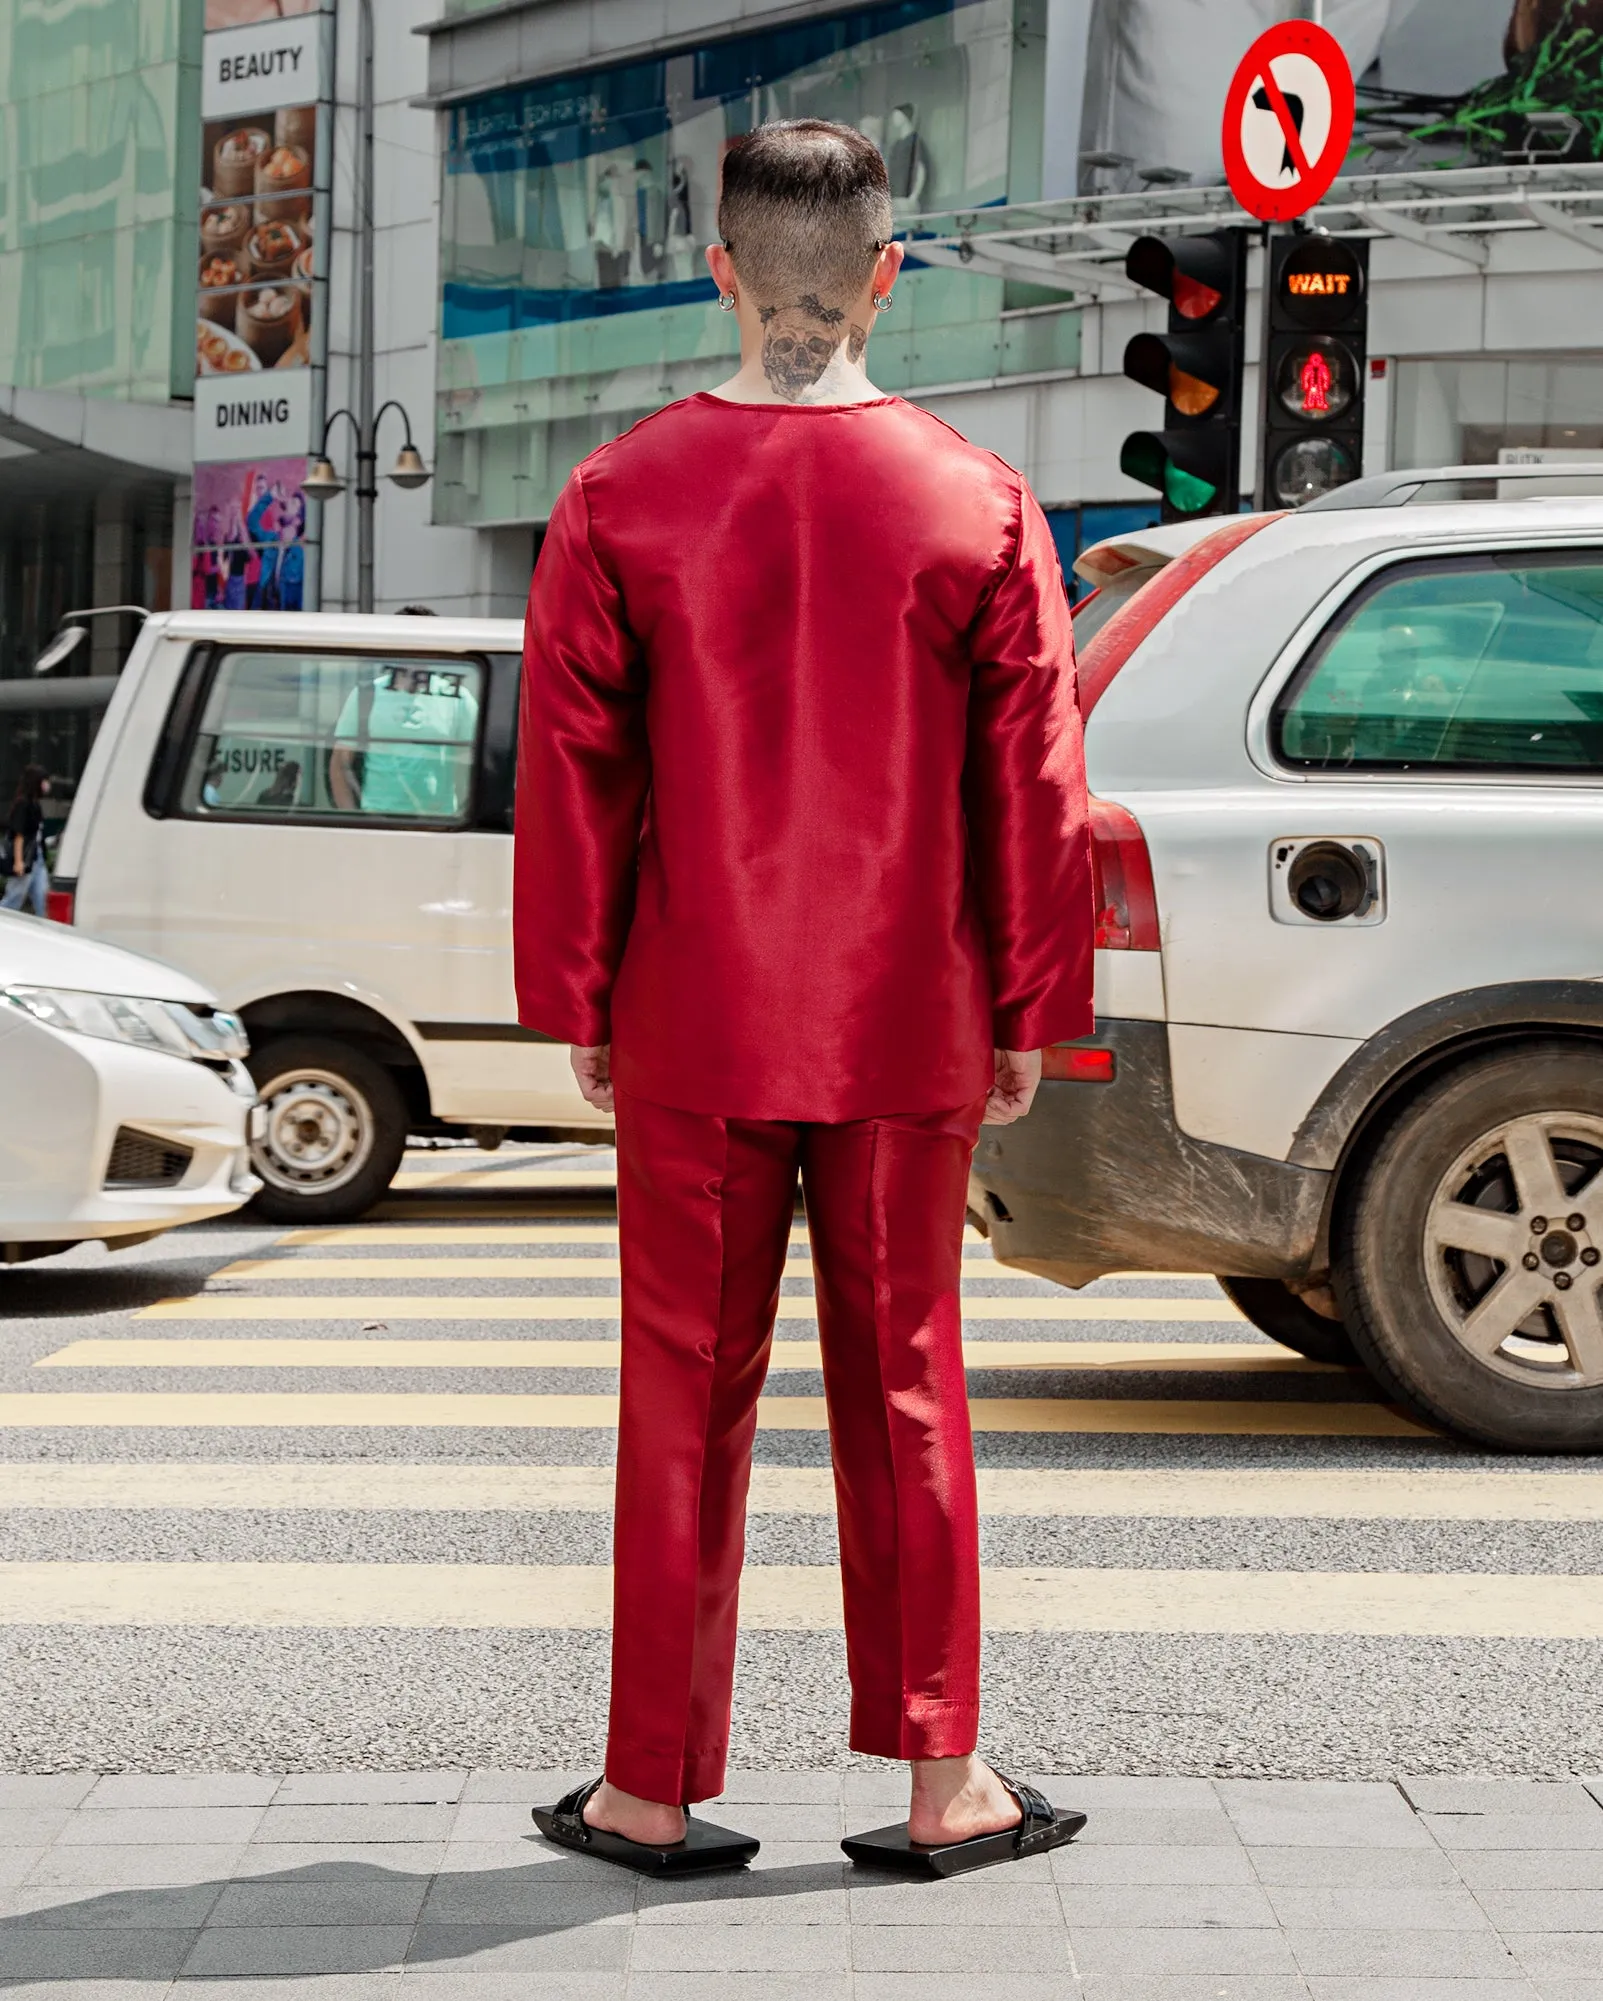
249 541
257 242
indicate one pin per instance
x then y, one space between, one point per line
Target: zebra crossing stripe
459 1305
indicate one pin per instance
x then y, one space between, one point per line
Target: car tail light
1072 1065
59 905
1126 902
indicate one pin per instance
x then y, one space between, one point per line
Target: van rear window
305 736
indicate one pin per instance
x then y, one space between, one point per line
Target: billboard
261 253
1441 83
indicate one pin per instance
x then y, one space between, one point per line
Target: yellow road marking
1166 1495
308 1268
461 1305
599 1232
498 1180
374 1352
319 1410
800 1598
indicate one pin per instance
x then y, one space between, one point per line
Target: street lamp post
322 482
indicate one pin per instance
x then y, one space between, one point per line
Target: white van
312 815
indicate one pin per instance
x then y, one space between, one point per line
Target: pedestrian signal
1315 363
1195 366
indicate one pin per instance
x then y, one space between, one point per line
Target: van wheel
1274 1309
334 1132
1473 1253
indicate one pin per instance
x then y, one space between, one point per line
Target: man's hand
1011 1096
593 1068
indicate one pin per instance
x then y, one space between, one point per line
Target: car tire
334 1130
1461 1307
1274 1309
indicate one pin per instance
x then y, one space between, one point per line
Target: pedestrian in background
28 879
804 875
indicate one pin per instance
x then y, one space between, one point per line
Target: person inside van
28 876
404 745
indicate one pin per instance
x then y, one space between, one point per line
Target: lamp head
409 469
322 482
62 647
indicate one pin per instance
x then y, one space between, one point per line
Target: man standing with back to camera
803 875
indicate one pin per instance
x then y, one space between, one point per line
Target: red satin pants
705 1208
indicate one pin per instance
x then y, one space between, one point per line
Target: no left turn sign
1288 121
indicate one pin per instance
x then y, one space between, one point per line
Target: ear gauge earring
882 302
726 302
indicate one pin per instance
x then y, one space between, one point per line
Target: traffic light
1316 338
1195 367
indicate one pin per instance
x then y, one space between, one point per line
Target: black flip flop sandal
1041 1828
704 1848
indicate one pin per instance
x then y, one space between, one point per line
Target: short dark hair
804 207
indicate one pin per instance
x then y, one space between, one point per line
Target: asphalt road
382 1545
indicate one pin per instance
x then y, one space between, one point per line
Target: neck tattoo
801 342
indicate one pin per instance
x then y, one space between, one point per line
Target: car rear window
1113 643
1491 662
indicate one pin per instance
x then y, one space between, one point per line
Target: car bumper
1100 1178
69 1096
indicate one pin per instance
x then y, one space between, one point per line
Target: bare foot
955 1799
618 1812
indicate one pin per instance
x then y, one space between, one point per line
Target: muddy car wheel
1274 1309
1470 1265
333 1130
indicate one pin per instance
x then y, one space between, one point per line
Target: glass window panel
1471 664
292 736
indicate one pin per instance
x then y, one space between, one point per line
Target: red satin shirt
801 824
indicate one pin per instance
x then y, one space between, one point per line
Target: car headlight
170 1026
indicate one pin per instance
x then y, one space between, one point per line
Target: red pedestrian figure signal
1315 382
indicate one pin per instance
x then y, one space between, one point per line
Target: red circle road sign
1288 121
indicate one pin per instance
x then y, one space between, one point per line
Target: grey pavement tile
461 1858
1472 1955
528 1897
810 1894
1595 1788
497 1788
875 1785
1385 1822
333 1861
276 1949
1377 1906
740 1987
370 1788
599 1948
1530 1868
34 1953
162 1827
809 1949
475 1984
1026 1949
1555 1987
781 1789
1546 1911
928 1986
288 1987
17 1865
164 1909
37 1789
1316 1867
1562 1955
798 1821
125 1789
1499 1796
1515 1830
1342 1987
31 1826
1194 1987
990 1902
492 1820
1085 1863
362 1823
1160 1827
1308 1795
371 1902
138 1867
1123 1950
1169 1907
1095 1795
87 1990
822 1856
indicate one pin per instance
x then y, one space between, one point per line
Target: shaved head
805 208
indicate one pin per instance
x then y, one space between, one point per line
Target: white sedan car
1348 768
127 1101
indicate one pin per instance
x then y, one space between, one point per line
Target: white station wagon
1349 1052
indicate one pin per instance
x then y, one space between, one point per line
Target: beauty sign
1288 121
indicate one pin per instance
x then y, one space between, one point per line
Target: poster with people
1441 83
249 550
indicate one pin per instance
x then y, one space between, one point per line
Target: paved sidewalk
429 1886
